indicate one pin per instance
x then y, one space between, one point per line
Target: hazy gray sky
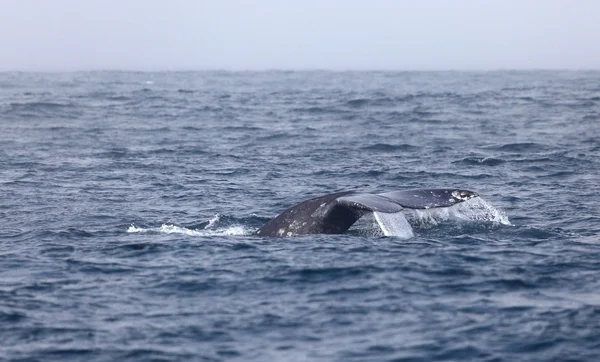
299 34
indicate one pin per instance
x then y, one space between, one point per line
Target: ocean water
128 203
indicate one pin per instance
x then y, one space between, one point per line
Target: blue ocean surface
129 200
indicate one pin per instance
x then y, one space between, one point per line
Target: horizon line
298 70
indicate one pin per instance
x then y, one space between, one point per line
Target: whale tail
335 213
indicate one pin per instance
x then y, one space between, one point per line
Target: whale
337 212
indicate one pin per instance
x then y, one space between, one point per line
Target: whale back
320 215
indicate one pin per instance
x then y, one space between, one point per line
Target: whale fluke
335 213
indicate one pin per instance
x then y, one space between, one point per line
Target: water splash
213 222
473 210
233 230
394 224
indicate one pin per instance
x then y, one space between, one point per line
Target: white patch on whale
394 224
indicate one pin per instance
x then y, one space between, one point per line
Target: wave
382 100
218 225
40 105
520 147
480 161
43 110
386 147
236 230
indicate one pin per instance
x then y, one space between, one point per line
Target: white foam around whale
473 210
173 229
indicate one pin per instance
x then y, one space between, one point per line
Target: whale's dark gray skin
335 213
